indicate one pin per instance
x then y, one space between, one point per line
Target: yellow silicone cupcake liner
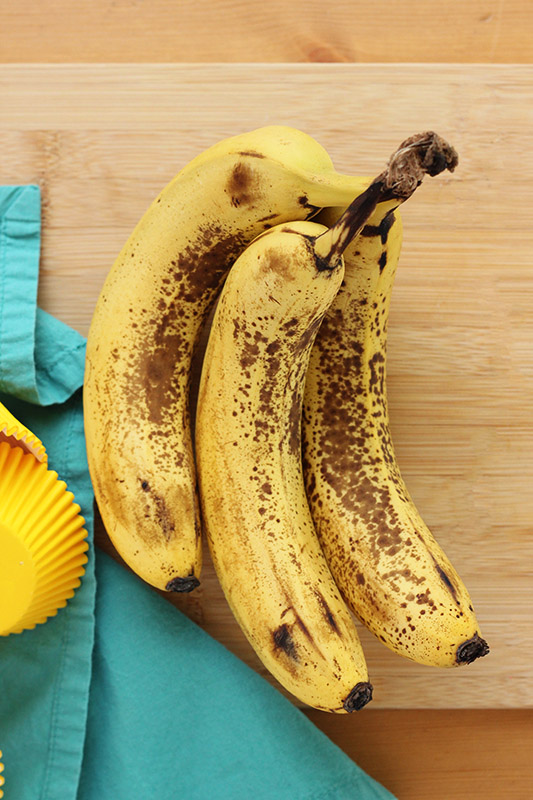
1 776
15 433
42 541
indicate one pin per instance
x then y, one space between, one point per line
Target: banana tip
182 584
473 648
360 695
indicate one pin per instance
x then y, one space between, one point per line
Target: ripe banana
146 324
390 569
248 450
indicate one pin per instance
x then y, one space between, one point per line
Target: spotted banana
146 324
392 572
248 447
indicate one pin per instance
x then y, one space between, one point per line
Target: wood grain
252 31
102 140
442 755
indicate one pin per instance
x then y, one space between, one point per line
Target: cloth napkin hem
68 722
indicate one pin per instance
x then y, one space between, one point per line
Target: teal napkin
44 673
120 695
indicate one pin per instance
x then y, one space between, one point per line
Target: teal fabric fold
120 695
175 714
45 673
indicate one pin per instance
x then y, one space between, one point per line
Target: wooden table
461 412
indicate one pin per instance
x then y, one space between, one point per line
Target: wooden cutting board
102 140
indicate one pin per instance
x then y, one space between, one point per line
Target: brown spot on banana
243 184
381 230
252 154
284 641
443 575
328 614
311 209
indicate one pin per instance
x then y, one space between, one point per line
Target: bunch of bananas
291 471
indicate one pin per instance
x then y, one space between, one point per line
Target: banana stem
421 154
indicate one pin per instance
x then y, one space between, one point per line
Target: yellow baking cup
42 541
1 776
16 434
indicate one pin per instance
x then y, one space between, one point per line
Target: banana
391 571
248 451
146 324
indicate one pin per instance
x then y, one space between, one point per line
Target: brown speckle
242 185
284 641
326 610
381 230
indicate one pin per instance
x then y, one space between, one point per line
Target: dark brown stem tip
182 584
422 154
473 648
360 695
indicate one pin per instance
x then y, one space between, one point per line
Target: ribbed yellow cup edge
38 508
2 781
15 433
